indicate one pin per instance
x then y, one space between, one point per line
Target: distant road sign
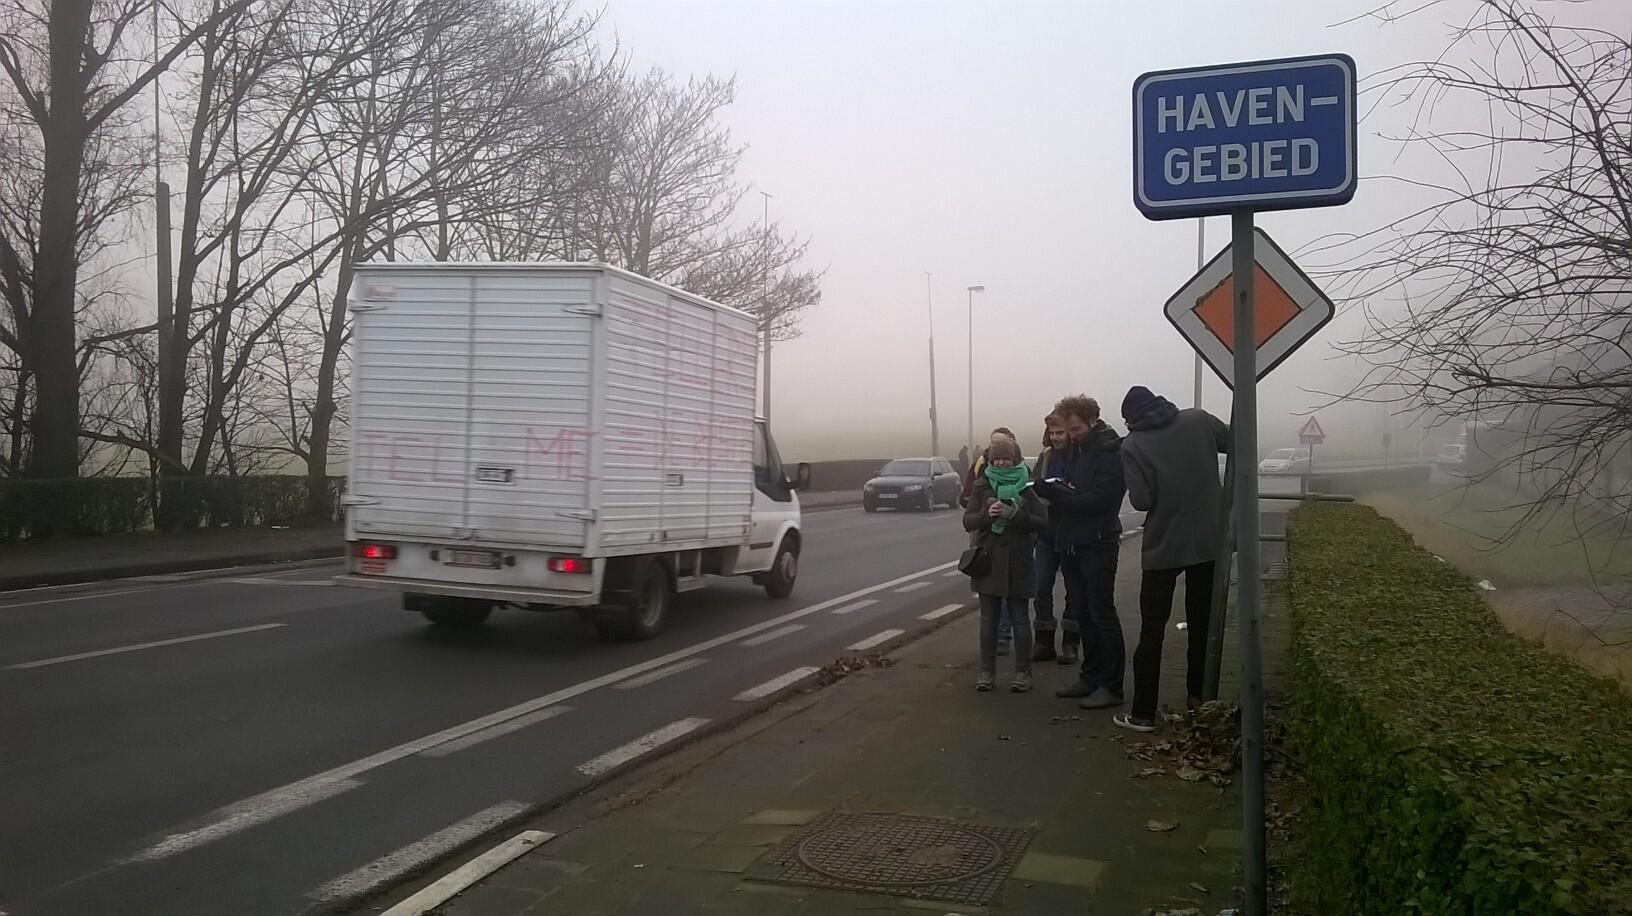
1265 135
1289 309
1311 433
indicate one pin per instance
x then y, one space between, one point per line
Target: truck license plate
481 559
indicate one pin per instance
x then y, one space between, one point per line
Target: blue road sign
1265 135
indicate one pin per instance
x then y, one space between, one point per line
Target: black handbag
975 562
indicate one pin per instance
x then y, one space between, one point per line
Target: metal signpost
1237 139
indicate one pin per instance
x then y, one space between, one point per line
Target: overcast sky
990 143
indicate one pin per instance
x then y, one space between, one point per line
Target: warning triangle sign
1311 433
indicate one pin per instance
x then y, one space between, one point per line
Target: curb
168 567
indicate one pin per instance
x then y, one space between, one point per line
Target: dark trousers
992 611
1155 608
1046 562
1090 585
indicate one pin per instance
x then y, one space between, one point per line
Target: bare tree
1507 300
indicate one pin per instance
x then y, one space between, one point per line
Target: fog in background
991 144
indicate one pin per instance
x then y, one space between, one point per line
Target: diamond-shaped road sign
1288 309
1311 433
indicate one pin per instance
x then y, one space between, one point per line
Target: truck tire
643 607
784 570
453 614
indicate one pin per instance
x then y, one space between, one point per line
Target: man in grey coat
1170 460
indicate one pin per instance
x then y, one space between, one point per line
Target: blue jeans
1090 575
1046 561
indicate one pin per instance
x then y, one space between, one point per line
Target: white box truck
557 436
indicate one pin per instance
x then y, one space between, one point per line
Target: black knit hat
1138 398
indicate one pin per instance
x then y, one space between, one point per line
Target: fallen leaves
1155 826
1205 745
846 665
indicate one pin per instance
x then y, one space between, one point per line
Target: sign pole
1216 620
1245 431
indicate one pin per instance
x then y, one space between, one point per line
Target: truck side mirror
801 476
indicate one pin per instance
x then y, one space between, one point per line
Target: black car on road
913 483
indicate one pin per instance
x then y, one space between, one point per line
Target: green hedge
1452 767
115 505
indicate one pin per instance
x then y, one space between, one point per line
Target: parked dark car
915 483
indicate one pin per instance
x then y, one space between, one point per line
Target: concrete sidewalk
1085 818
75 561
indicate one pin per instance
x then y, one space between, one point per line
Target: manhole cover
898 854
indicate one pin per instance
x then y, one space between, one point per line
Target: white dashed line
652 677
389 868
645 744
495 731
775 684
875 640
250 813
146 645
905 589
465 876
938 613
777 633
852 608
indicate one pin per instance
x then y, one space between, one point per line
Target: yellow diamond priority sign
1288 309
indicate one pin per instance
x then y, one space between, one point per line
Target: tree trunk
324 409
55 419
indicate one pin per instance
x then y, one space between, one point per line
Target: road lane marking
78 656
222 822
777 633
640 747
856 606
652 677
951 574
393 866
875 640
244 815
467 875
89 596
495 731
938 613
774 684
905 589
254 580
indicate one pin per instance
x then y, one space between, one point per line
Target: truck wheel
784 571
643 608
458 615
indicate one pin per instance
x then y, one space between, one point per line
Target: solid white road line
855 606
913 587
777 633
462 878
874 640
389 868
641 746
774 684
652 677
246 814
302 583
222 821
488 734
951 574
88 596
145 645
938 613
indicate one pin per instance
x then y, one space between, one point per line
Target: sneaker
1132 723
984 681
1069 655
1075 689
1022 682
1101 698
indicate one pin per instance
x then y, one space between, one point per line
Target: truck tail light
572 565
376 551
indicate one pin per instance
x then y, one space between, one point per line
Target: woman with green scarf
1005 515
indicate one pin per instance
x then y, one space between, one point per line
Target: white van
557 436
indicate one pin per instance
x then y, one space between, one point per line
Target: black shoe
1075 689
1044 651
1069 654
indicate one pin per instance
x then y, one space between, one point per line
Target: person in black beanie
1170 462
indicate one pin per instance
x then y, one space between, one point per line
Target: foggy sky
990 143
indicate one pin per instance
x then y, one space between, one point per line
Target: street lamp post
977 288
934 415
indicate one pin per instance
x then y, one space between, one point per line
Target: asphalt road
264 743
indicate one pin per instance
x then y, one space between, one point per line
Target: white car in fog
1286 461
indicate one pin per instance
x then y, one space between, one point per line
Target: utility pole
977 288
934 416
765 299
171 377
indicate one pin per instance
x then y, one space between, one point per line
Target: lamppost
934 416
977 288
